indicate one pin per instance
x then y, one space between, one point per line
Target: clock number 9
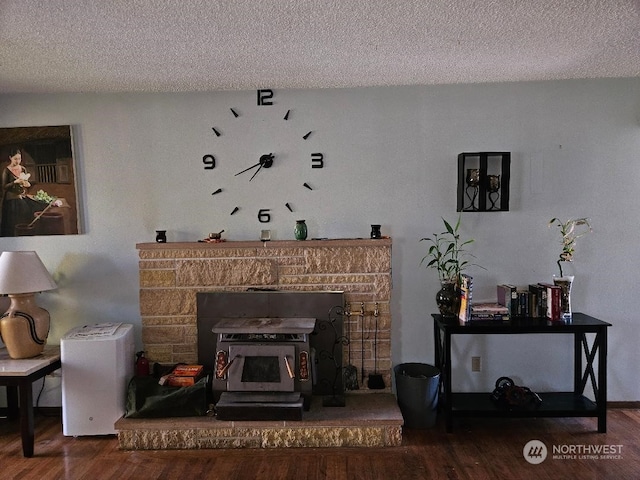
209 162
264 216
317 160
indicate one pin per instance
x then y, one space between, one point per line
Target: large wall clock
264 162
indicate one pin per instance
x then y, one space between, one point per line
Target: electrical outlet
476 364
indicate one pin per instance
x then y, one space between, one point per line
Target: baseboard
44 411
631 405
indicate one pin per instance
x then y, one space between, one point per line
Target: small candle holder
473 182
161 236
493 189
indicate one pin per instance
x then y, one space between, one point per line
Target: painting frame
39 191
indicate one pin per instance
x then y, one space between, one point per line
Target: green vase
300 230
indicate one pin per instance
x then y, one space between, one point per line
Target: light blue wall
390 156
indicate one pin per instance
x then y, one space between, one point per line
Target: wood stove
270 351
263 367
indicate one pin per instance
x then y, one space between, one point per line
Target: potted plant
448 256
570 231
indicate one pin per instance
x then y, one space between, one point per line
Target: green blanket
147 399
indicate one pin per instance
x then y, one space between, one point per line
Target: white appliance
97 365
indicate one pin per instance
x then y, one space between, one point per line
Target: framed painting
38 182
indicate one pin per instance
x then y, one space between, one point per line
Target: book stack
552 308
183 376
489 311
536 300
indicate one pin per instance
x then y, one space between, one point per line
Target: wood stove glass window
261 369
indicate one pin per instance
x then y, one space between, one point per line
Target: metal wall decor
483 181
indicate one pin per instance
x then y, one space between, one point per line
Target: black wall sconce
483 181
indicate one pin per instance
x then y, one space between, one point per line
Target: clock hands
266 161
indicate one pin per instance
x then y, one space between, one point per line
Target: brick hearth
372 420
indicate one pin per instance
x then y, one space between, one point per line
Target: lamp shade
24 272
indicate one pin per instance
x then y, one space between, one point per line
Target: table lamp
24 327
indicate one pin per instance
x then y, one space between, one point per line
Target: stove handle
289 370
224 371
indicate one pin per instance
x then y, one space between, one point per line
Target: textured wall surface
172 273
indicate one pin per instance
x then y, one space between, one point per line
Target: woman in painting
17 207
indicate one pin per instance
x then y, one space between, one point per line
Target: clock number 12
265 97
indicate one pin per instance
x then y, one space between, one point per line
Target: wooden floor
478 449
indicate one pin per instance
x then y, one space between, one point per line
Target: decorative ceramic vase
375 231
161 236
300 230
447 298
565 283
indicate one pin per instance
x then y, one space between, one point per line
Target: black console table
554 404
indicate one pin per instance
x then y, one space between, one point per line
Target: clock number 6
209 162
317 160
264 216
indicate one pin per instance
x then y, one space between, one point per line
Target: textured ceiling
195 45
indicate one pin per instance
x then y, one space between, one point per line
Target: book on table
508 296
466 295
489 311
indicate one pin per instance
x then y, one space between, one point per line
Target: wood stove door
262 368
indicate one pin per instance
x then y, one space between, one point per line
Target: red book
554 293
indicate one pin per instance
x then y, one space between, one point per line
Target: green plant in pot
570 231
447 255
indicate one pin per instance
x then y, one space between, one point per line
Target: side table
586 357
18 376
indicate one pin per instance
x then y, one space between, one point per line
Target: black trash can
417 391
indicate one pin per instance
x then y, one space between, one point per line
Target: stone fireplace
173 275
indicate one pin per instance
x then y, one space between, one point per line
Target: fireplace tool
376 382
350 371
362 340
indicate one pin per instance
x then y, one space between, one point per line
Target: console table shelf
554 404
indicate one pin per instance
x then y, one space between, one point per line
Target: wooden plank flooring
478 449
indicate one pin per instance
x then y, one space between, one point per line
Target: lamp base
24 328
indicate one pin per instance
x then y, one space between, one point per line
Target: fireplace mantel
171 274
318 243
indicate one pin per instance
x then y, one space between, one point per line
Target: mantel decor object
300 230
24 327
483 181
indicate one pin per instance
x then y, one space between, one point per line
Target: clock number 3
317 160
